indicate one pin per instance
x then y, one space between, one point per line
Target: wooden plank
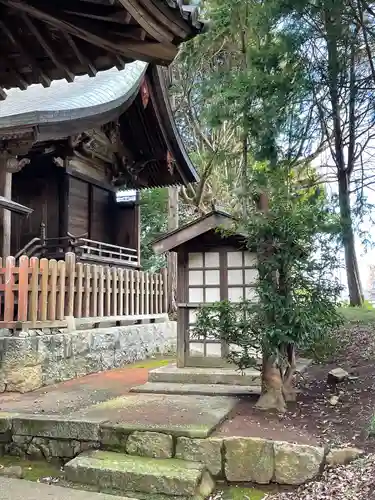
142 297
101 291
34 290
147 292
114 291
127 293
52 301
94 294
8 289
164 288
23 288
61 295
70 260
86 289
132 292
136 292
79 291
43 298
120 297
108 291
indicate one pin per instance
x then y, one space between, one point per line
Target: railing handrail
103 244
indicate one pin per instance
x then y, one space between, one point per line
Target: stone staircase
206 381
140 477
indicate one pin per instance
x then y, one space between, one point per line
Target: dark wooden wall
128 225
66 203
37 187
90 210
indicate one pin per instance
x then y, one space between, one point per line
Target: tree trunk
172 256
351 264
272 397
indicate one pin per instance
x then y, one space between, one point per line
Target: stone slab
147 475
50 426
18 489
192 416
196 389
229 376
150 444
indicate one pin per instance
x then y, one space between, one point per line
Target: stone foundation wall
38 359
234 459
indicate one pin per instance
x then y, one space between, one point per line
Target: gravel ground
351 482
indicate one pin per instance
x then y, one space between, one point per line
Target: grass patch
362 315
152 363
33 470
241 493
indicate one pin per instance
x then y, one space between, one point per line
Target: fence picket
86 290
132 292
9 289
94 294
34 291
23 288
108 294
127 293
52 299
61 290
120 299
114 290
79 291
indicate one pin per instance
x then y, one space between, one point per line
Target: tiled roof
64 101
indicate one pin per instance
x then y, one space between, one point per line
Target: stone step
187 375
212 376
197 389
131 474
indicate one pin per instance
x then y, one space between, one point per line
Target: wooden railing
86 250
42 292
106 253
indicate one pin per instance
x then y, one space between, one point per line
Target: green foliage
154 211
297 296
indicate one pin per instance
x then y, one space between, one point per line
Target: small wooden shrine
211 267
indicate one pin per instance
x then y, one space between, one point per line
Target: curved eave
172 136
68 109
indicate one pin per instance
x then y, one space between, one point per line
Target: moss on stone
240 493
34 470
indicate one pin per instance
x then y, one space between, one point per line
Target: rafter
48 49
155 52
91 70
146 21
43 77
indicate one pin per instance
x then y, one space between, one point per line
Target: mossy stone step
126 473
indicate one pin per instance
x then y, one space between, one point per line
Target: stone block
337 375
150 444
296 463
206 451
249 460
342 456
113 437
58 428
21 378
5 422
81 342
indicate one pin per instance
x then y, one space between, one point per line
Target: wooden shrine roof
45 40
206 225
121 120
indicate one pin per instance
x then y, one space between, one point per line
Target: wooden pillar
8 166
171 256
7 215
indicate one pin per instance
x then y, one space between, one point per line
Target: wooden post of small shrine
8 166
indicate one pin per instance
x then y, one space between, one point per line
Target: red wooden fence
48 291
